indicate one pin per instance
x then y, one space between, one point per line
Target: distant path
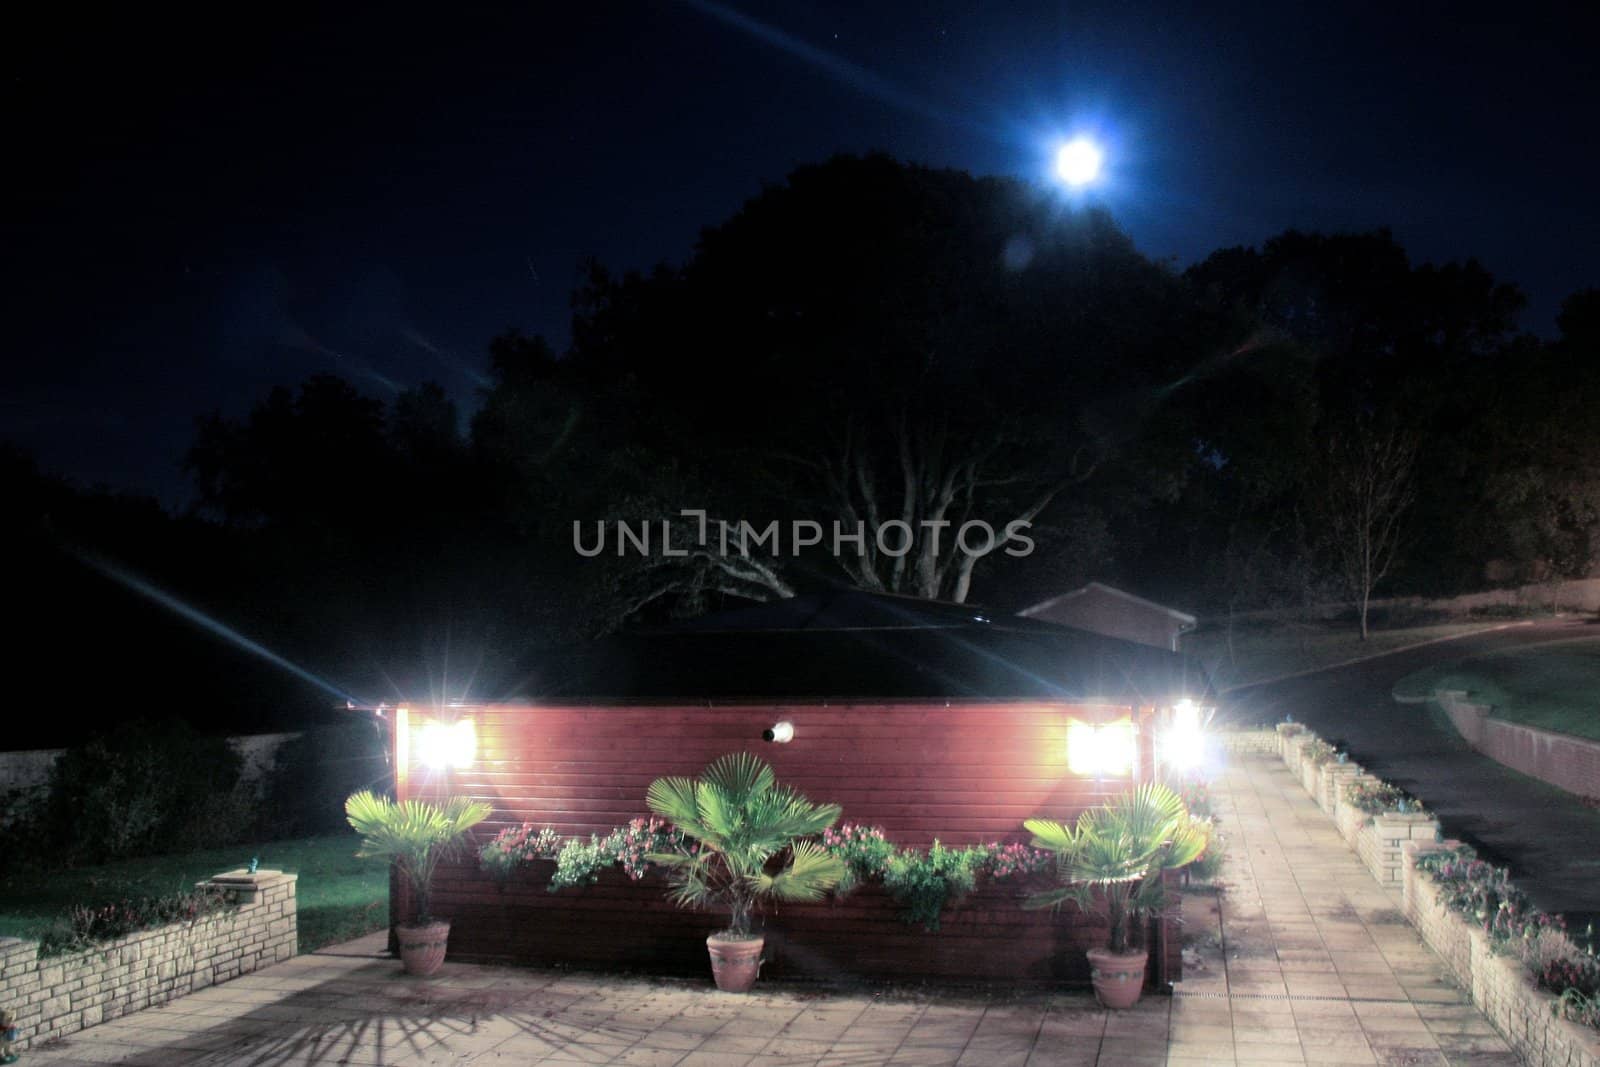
1547 837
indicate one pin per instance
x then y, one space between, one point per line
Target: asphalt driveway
1549 838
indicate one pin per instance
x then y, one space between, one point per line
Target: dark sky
206 205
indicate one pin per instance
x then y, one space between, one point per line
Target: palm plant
415 835
1119 850
738 819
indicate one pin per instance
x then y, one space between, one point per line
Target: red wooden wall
964 773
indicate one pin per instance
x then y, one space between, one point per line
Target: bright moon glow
1078 162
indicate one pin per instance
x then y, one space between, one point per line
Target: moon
1078 162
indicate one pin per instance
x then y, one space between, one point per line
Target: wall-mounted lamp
441 744
1182 742
781 734
1100 749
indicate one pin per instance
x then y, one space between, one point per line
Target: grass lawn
1554 687
1288 647
339 896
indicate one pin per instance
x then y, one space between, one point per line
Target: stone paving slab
1303 960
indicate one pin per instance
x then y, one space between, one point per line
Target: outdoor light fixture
1100 749
782 733
441 745
1183 743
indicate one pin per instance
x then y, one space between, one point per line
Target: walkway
1305 961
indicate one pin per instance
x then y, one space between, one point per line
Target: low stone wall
60 995
1500 985
1564 761
1335 776
1260 741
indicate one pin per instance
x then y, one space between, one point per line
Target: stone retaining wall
60 995
1500 986
1564 761
1264 742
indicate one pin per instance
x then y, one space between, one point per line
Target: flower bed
923 882
102 968
1533 982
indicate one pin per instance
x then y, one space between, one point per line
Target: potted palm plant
746 838
415 835
1113 858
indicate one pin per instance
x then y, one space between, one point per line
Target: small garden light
781 734
441 745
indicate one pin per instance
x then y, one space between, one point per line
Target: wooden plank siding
961 773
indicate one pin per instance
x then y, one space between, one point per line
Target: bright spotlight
1100 749
442 745
1078 161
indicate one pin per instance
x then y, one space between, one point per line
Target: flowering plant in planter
1017 861
1318 751
516 846
864 850
1375 798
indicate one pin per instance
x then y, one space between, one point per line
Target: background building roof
848 644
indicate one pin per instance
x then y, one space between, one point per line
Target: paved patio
1303 960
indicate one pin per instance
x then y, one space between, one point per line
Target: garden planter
735 962
422 947
1118 976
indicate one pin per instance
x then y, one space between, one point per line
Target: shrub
580 863
1208 865
314 772
924 882
1196 795
83 927
144 788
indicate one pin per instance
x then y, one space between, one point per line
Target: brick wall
1499 984
962 774
60 995
1335 776
1564 761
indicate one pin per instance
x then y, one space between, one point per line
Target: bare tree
1368 486
914 489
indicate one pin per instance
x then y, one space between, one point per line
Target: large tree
893 346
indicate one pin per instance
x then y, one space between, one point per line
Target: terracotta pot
422 948
735 963
1118 976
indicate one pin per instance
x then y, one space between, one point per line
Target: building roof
848 645
1100 587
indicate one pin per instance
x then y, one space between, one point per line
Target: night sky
205 206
